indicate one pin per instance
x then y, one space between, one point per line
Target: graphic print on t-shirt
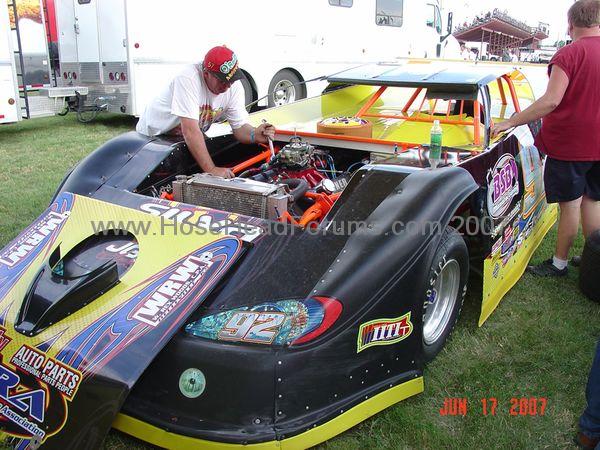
208 116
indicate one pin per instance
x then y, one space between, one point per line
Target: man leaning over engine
195 99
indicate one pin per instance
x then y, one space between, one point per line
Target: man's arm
247 134
195 142
557 86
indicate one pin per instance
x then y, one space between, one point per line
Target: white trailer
9 87
125 51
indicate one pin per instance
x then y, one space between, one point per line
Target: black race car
281 307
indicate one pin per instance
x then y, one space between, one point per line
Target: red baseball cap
223 63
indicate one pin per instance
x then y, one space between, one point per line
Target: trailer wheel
589 283
447 285
285 87
248 92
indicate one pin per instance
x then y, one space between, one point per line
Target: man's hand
500 127
263 132
224 172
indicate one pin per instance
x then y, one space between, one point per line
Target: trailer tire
248 92
285 87
446 289
589 283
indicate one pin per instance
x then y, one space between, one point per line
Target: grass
538 343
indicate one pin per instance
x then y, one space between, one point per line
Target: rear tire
285 87
589 282
446 288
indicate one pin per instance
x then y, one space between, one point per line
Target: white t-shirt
187 96
466 54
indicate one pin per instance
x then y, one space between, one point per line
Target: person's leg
568 227
590 215
589 422
590 208
564 182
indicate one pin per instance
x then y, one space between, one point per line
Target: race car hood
85 308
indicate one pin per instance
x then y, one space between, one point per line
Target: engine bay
296 183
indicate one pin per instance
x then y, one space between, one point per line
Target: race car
281 307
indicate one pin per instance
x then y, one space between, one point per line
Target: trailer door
9 94
112 32
88 49
67 36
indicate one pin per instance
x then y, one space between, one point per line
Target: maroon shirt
572 131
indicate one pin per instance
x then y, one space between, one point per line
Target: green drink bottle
435 145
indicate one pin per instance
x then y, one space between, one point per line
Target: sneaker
576 261
547 269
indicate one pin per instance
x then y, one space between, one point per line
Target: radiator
236 195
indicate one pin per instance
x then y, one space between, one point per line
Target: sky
552 12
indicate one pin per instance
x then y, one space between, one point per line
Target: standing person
588 436
570 133
465 53
197 97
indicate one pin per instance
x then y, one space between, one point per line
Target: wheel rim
285 93
441 303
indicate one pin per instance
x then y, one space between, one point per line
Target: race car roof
451 78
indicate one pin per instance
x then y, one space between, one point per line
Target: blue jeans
589 422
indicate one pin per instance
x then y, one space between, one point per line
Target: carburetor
296 155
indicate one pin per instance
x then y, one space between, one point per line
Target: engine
299 184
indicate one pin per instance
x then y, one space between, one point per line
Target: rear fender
399 236
379 276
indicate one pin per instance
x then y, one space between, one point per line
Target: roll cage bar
478 107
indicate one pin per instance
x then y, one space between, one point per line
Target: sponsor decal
283 322
129 250
34 390
19 404
496 247
503 186
177 286
384 332
261 328
212 220
48 370
4 339
514 213
192 383
496 271
31 240
168 212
